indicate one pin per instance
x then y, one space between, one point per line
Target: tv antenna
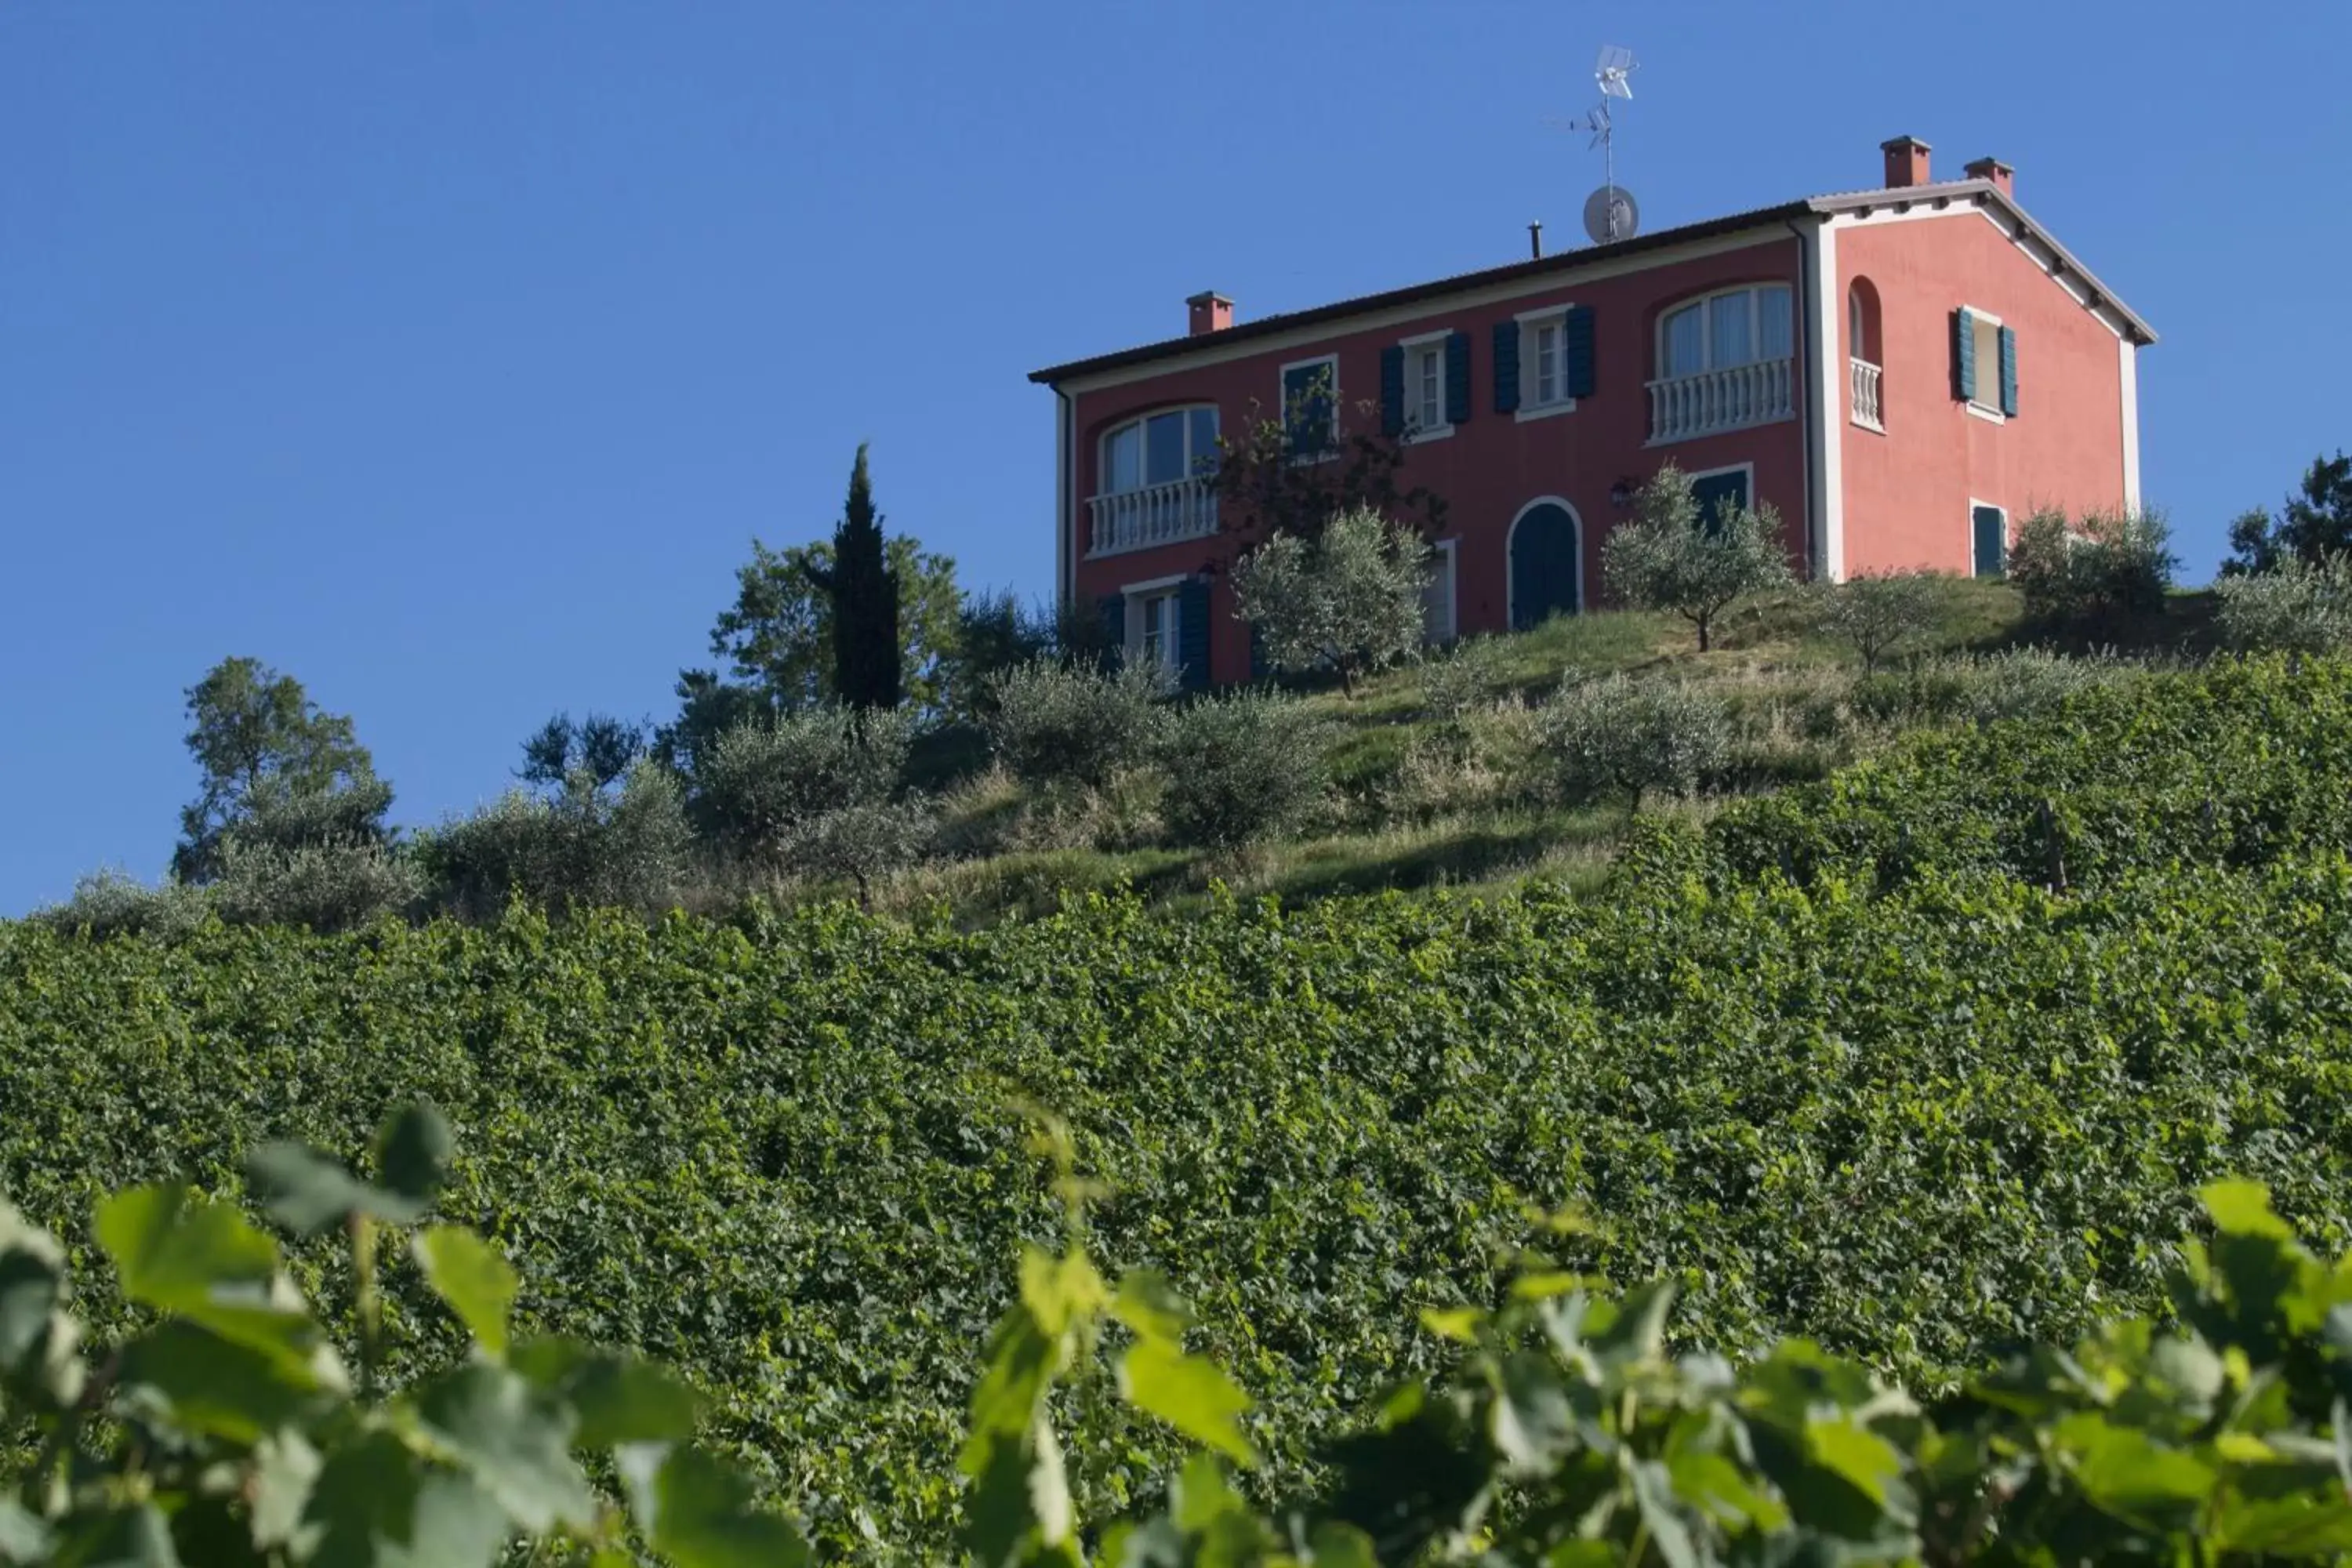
1610 213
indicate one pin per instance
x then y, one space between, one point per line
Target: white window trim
1755 292
1191 458
1749 469
1282 402
1510 536
1447 547
1414 435
1133 595
1990 413
1529 320
1976 506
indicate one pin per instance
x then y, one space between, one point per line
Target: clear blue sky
449 355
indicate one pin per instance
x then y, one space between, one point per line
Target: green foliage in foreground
227 1431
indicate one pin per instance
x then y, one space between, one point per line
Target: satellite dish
1611 213
1612 70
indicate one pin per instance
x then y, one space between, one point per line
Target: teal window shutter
1576 333
1457 377
1193 633
2008 371
1506 366
1259 668
1392 391
1113 610
1964 354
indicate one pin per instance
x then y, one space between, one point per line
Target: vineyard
1919 1061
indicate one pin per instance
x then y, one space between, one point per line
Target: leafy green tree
2295 606
1668 558
2315 522
778 636
1624 736
1052 724
866 653
1347 598
1265 486
995 635
1881 614
602 746
274 762
2093 575
1243 767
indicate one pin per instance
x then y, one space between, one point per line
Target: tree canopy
267 754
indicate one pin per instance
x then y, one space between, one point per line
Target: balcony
1861 387
1156 515
1712 401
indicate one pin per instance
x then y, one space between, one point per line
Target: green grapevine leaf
1188 1393
378 1505
182 1254
307 1192
412 1152
699 1514
515 1441
470 1275
617 1397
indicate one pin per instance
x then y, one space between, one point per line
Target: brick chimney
1210 314
1999 172
1906 162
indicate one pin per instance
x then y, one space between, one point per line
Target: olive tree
1880 614
1671 558
1348 598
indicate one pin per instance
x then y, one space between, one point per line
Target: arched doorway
1545 562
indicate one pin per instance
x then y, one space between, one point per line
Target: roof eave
1978 192
1564 262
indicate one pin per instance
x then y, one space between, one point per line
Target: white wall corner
1066 515
1825 415
2130 353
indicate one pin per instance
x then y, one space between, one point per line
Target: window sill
1863 421
1310 461
1991 415
1435 433
1544 410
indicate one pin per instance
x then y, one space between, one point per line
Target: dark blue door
1543 565
1991 541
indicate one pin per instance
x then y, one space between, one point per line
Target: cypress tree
864 591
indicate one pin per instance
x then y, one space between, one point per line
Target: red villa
1900 371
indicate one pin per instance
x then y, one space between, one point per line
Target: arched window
1726 330
1155 481
1864 351
1159 449
1726 359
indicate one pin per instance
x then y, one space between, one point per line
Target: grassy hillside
1839 1060
1437 779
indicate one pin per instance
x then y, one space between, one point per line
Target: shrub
1882 615
1462 679
762 783
323 887
1347 598
861 843
2095 577
1079 724
585 846
1669 558
1619 735
115 903
2297 606
996 634
1242 767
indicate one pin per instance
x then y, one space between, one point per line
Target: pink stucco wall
1494 464
1908 491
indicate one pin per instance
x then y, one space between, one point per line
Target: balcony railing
1682 407
1157 515
1863 384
